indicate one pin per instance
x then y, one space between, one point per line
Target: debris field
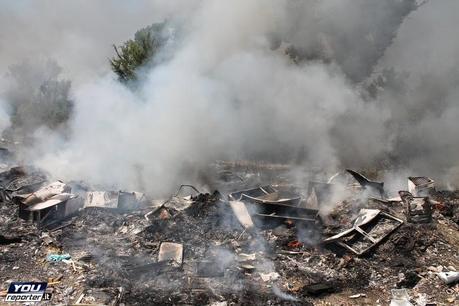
257 239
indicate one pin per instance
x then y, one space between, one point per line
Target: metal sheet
369 229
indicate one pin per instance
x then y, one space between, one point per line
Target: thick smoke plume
319 83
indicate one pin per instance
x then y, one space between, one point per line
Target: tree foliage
136 52
38 96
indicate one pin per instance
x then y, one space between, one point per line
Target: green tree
136 52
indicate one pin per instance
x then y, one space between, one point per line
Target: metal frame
357 229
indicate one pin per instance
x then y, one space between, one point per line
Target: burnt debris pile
251 242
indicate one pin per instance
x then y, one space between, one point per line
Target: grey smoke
285 296
4 116
228 92
423 98
37 96
354 33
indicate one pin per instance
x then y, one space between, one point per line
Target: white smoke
78 34
228 92
221 96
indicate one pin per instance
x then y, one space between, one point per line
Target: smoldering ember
246 152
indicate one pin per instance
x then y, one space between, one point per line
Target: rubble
418 209
264 195
267 203
319 288
56 207
421 186
319 193
400 297
19 182
47 204
210 268
46 192
171 252
370 228
264 246
368 184
179 203
242 214
268 277
114 199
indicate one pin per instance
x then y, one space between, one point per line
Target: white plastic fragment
449 277
242 214
224 303
421 300
246 257
267 277
400 297
358 295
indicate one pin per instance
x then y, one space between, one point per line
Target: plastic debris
242 257
358 295
58 257
267 277
421 300
400 297
173 252
242 214
449 277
